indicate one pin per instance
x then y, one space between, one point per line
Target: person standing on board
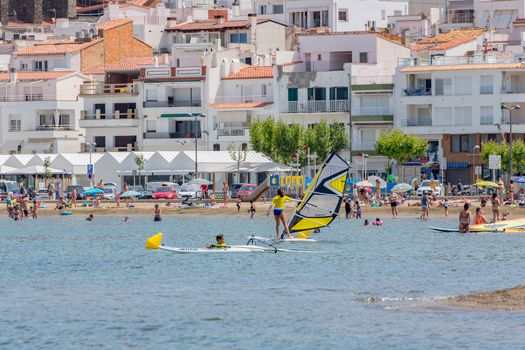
464 219
278 212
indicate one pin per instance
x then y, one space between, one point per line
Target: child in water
357 210
366 222
378 222
90 217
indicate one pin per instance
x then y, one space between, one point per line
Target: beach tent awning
5 168
155 172
34 170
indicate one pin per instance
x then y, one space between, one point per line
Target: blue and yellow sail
322 200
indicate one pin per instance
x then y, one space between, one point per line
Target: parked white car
109 193
425 187
188 191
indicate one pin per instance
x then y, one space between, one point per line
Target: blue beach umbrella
130 194
520 180
92 192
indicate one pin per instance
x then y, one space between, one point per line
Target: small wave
374 299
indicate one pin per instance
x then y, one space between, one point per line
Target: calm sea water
70 284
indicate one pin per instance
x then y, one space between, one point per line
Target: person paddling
220 244
278 212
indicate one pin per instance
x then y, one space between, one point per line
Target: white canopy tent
34 170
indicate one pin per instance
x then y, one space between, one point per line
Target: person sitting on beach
464 219
90 217
220 244
479 218
366 222
157 213
378 222
60 204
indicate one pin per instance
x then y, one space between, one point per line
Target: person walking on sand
225 190
252 209
445 206
278 212
495 207
424 206
464 219
156 216
393 204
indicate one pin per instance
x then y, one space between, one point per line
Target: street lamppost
182 143
474 170
510 109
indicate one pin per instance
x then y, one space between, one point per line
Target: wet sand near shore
512 299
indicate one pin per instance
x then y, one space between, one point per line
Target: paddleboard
230 249
474 230
66 213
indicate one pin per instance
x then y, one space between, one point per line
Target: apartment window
368 138
262 9
398 13
463 116
239 38
64 120
338 93
244 146
40 65
342 15
15 123
100 141
248 60
443 87
278 9
486 85
317 94
151 125
443 116
324 18
293 95
383 14
363 57
24 66
151 95
463 86
216 147
486 115
462 143
263 89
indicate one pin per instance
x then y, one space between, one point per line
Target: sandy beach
512 299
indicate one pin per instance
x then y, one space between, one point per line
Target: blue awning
458 165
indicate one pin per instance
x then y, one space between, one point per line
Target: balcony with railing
37 97
171 135
486 120
370 111
163 73
513 89
251 101
423 121
232 131
486 90
60 127
99 88
318 106
172 103
372 79
417 92
130 114
460 60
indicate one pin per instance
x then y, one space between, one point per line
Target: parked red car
246 190
164 192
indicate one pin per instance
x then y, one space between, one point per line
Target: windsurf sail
322 200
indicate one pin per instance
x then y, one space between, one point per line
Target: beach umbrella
92 192
520 180
199 182
482 184
402 187
130 194
364 183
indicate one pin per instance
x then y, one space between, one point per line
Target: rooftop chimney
13 75
219 19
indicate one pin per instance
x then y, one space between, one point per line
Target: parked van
8 186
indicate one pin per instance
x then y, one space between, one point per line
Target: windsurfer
220 244
278 212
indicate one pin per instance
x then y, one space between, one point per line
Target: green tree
239 156
502 149
395 145
338 138
47 173
140 161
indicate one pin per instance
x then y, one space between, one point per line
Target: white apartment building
270 9
496 14
242 95
343 15
456 105
39 112
410 26
341 77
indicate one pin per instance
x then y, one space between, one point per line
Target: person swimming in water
278 212
220 244
90 217
366 222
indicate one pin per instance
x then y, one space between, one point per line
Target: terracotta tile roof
463 67
59 48
252 73
113 23
448 40
214 26
240 105
33 76
126 65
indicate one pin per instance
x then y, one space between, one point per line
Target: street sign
494 162
90 171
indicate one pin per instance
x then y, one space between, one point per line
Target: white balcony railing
99 88
242 99
372 111
513 89
130 114
459 60
162 104
37 97
318 106
68 127
372 79
231 132
417 122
